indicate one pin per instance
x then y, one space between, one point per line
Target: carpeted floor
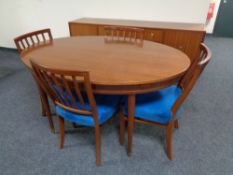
202 145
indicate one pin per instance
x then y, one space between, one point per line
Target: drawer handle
152 34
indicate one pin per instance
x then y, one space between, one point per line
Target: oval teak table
115 68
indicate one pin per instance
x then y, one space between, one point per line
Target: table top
112 64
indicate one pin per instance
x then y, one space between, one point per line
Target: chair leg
43 111
42 99
122 126
98 145
45 103
176 124
42 96
169 130
61 131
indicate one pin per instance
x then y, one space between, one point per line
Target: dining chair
124 34
72 93
161 108
32 40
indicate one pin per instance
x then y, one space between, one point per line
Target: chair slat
28 44
33 42
78 92
38 39
69 91
43 35
60 89
49 82
24 47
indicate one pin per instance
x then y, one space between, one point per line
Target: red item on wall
211 10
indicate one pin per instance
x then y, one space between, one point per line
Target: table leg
131 105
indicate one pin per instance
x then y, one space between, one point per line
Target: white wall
210 24
21 16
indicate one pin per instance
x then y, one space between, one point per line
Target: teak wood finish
34 40
115 68
183 36
60 83
186 83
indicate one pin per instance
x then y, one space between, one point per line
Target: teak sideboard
183 36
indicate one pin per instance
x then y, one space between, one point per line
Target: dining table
116 68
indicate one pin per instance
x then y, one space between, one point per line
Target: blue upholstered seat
106 106
156 106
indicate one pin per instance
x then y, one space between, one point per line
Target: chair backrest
70 90
32 39
191 76
124 34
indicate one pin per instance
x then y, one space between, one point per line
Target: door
224 23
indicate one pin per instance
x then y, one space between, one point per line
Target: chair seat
106 106
155 106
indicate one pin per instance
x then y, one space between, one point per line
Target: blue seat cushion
155 106
106 106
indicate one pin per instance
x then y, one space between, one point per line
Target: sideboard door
186 41
82 29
